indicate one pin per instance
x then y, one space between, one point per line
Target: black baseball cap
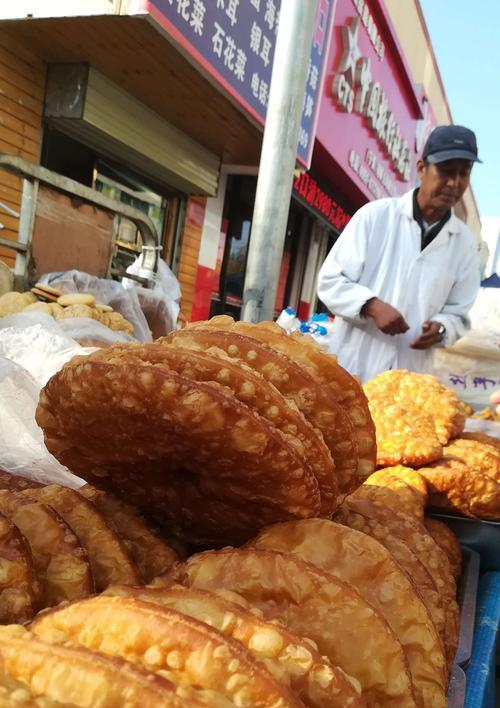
450 142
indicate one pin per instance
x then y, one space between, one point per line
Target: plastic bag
22 449
106 292
161 302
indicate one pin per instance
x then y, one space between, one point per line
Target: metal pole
277 160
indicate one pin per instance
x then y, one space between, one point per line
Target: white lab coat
378 255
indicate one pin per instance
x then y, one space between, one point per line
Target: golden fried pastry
16 483
482 458
249 387
487 413
78 311
446 539
291 660
413 533
19 588
151 553
14 694
60 563
482 438
115 321
75 676
168 642
12 302
455 486
209 468
403 436
312 603
324 367
297 386
361 561
388 487
402 554
422 394
109 559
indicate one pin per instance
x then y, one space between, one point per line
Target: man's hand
495 399
430 335
386 317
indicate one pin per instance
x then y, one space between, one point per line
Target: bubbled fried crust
163 640
210 467
414 534
482 438
77 676
446 539
419 394
15 483
151 553
403 555
60 562
345 388
14 694
295 384
291 660
109 559
456 486
480 457
361 561
19 587
310 602
389 486
252 389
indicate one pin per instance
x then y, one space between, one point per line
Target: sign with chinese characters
369 107
307 190
234 41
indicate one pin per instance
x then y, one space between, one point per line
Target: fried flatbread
16 483
75 676
19 588
446 539
109 559
361 561
300 389
291 660
149 551
312 603
60 562
168 642
388 487
209 466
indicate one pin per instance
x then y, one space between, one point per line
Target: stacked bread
419 425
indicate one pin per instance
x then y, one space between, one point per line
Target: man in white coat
405 271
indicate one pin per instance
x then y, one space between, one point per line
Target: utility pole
277 160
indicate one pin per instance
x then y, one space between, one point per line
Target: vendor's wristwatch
441 332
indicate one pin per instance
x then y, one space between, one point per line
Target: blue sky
465 37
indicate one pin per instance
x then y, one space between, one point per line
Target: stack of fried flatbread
217 431
419 424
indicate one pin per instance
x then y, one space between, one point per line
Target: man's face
443 184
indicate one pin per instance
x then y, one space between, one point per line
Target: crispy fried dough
151 553
428 552
480 457
60 562
15 483
291 660
249 387
389 487
299 388
420 394
109 559
403 555
312 603
14 694
482 438
361 561
455 486
446 539
19 588
79 677
322 366
209 467
165 641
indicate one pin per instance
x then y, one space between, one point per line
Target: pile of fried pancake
419 424
216 430
355 611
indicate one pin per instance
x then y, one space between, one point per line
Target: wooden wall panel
22 85
190 249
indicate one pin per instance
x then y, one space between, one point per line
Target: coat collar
405 204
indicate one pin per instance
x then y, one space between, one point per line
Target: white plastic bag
22 449
106 292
